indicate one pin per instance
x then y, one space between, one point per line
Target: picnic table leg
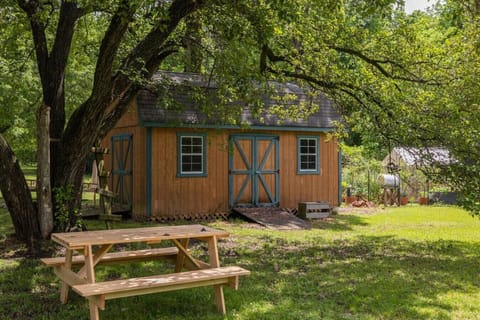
89 265
65 287
215 263
96 257
180 262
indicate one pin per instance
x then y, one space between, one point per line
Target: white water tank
389 180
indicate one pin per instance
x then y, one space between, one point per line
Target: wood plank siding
177 196
128 124
294 187
173 196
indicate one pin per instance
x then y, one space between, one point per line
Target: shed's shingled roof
152 113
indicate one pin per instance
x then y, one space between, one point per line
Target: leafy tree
19 86
458 103
441 109
366 55
360 173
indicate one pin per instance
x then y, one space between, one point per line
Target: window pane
308 148
191 154
196 149
196 141
186 140
186 159
196 167
196 159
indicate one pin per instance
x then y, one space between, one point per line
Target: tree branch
32 8
377 63
342 87
153 43
69 14
267 52
111 42
118 107
153 64
112 94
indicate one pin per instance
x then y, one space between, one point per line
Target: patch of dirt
365 210
12 248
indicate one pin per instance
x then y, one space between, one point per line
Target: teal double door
254 175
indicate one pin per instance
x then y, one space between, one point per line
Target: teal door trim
254 170
122 169
148 196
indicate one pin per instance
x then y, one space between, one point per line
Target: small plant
66 218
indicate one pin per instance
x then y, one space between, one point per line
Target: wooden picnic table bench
118 257
199 273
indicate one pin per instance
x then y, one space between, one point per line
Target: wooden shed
170 164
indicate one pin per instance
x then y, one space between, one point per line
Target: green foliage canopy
399 79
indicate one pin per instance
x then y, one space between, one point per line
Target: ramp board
273 218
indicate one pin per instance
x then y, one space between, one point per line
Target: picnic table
85 250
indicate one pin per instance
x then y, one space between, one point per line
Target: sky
412 5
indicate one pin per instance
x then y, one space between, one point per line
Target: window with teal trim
308 155
191 155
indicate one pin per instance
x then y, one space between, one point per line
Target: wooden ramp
273 218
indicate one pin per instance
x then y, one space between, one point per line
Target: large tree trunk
44 188
70 143
18 198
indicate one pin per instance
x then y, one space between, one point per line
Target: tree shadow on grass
27 291
367 277
363 278
30 290
343 222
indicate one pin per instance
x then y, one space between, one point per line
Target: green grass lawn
400 263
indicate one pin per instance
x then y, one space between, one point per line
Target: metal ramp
273 218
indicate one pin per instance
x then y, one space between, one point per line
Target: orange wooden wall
295 188
186 196
128 124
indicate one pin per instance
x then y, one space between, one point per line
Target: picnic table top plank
147 234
